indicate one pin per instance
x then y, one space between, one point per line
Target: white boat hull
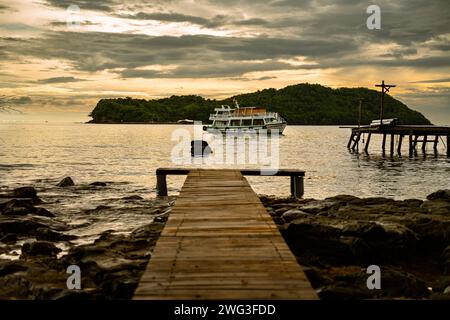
269 128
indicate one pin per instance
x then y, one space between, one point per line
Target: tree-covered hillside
308 104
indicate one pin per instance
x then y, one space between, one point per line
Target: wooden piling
391 151
411 145
436 140
424 144
366 147
383 145
399 147
356 141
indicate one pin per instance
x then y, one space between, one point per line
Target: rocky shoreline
334 239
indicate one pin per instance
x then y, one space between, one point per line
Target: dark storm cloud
96 5
94 51
60 80
209 70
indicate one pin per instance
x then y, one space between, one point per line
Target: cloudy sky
56 59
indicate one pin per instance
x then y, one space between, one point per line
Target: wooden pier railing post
297 187
161 185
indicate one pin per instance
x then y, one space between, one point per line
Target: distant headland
301 104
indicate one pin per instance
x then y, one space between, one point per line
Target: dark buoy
200 148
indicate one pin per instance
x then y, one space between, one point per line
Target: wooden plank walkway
220 243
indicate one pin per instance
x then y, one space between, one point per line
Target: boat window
236 122
258 122
246 122
221 123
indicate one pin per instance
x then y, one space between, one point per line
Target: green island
301 104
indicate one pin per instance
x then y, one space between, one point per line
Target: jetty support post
436 140
424 144
356 141
349 144
297 186
161 185
415 144
391 151
366 147
399 147
410 145
383 145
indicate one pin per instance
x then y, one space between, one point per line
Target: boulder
10 267
25 192
9 238
39 248
293 214
66 182
440 195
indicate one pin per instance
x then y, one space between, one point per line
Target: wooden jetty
416 134
385 127
220 243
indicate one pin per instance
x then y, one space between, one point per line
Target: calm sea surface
126 156
129 154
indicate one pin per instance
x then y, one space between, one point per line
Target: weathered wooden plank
220 243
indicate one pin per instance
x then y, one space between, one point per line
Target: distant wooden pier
417 135
220 243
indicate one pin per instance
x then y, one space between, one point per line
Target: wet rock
9 238
445 257
18 206
342 291
13 286
19 226
47 234
438 206
98 184
66 182
439 195
39 248
10 267
25 192
293 214
43 212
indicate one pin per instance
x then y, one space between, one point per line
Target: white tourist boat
244 119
